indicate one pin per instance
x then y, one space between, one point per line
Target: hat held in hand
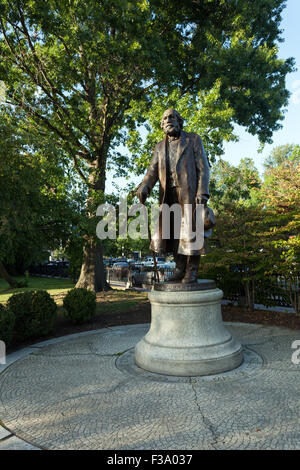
209 218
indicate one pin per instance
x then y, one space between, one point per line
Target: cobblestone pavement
84 392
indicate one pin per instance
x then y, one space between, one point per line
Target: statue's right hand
142 194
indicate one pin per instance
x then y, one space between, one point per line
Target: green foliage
80 305
242 283
83 78
73 252
281 187
120 247
37 204
35 313
256 240
7 322
281 195
282 154
240 247
88 74
230 184
226 279
205 114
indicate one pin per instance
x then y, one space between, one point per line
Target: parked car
119 260
130 261
170 264
121 269
150 262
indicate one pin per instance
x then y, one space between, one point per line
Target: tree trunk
4 274
252 295
249 301
92 275
294 292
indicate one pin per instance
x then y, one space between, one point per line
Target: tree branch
53 128
54 92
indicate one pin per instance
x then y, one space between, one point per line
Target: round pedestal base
187 336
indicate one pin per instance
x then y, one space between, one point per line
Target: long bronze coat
192 173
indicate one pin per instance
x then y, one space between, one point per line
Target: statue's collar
171 138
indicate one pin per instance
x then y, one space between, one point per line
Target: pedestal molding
187 336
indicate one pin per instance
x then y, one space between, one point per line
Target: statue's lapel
163 157
183 142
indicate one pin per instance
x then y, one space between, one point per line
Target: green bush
35 313
80 305
7 322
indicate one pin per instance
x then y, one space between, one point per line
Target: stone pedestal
187 336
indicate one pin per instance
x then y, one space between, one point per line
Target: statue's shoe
190 277
177 276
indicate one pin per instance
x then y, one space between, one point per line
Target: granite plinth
187 336
201 284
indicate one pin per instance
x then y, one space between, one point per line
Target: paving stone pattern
86 393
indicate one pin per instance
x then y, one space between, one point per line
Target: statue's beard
173 131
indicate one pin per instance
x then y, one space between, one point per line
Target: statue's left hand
142 194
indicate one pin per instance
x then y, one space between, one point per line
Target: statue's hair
179 118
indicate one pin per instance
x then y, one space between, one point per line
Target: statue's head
171 122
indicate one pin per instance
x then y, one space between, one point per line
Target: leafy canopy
79 69
37 201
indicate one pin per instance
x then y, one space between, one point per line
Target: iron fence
50 270
141 277
276 292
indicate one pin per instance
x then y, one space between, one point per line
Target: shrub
35 313
7 322
80 305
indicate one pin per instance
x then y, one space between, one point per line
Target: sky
290 133
248 145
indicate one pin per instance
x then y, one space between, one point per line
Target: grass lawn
111 302
114 307
118 301
53 286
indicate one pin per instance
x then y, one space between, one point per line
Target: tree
231 184
256 244
241 254
282 154
238 253
36 205
205 113
281 196
80 70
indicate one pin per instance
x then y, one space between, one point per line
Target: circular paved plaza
84 392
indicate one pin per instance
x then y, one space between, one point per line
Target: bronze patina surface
181 166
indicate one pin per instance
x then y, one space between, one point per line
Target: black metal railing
276 292
141 277
60 269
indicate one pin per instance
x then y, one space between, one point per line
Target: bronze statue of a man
180 164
